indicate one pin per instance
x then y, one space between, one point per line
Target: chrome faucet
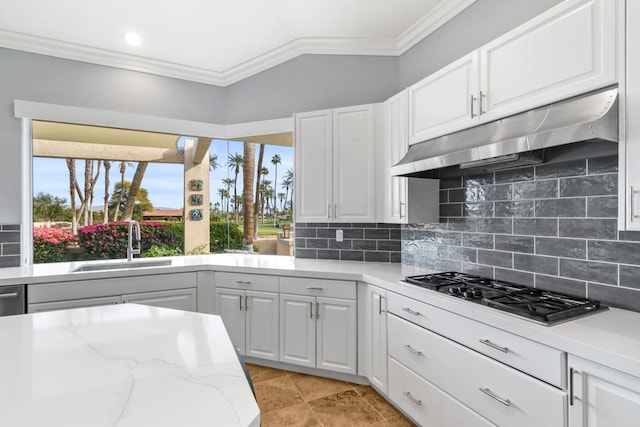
130 250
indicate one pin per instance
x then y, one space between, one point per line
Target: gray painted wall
306 83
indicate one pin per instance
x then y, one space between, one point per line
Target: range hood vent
517 140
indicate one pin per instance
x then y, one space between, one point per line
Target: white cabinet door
600 396
230 306
396 138
629 195
568 50
353 177
262 318
298 330
76 303
313 166
377 320
337 335
445 101
179 299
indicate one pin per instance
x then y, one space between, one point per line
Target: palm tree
235 161
247 194
71 165
213 162
256 203
133 191
287 182
275 160
123 169
281 197
107 170
224 194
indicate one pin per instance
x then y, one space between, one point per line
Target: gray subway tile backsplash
558 231
10 245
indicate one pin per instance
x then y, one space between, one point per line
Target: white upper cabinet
445 101
334 165
568 50
629 177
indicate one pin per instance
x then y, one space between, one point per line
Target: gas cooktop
542 306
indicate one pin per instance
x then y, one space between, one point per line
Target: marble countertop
121 365
610 338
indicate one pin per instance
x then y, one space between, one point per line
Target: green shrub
218 236
110 240
50 244
164 250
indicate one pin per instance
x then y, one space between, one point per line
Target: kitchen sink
121 265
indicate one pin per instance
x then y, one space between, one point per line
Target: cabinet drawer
426 403
318 287
539 360
256 282
501 394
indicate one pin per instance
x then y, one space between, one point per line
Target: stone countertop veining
610 338
124 365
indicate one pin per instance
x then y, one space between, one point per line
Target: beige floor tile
400 421
276 394
383 407
344 409
262 373
313 387
291 416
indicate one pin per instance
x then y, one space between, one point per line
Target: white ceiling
218 41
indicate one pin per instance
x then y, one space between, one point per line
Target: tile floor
292 399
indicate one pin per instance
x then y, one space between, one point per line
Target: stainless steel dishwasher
12 300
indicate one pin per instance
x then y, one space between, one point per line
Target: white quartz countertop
121 365
611 338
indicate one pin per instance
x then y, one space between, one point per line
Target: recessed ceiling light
132 38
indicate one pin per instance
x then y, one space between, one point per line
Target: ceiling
218 42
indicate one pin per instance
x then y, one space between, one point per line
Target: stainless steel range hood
518 140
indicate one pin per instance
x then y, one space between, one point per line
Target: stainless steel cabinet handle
311 310
317 310
401 205
572 395
634 215
413 350
473 98
408 310
482 96
240 299
505 402
9 295
314 288
329 211
246 302
380 304
496 346
243 282
335 211
411 398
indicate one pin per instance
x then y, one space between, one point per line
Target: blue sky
164 182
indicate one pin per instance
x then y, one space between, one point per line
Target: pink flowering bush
110 240
50 244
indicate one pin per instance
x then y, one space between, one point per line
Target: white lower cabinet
251 319
376 329
600 396
179 299
499 393
316 330
426 403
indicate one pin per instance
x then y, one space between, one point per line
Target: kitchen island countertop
121 365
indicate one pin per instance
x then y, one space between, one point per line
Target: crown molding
442 13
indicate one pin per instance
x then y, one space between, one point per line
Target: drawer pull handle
505 402
411 398
408 310
313 288
496 346
9 295
243 282
413 350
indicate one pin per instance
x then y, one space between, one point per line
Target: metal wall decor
196 199
196 185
